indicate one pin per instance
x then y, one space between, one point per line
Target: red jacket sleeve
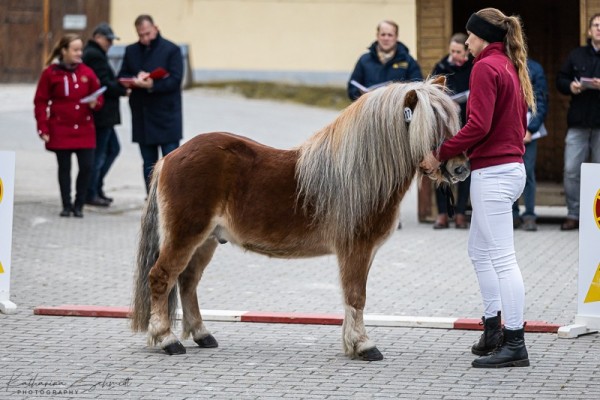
40 102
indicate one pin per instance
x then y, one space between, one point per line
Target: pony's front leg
354 269
188 282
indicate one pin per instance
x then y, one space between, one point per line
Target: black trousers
85 161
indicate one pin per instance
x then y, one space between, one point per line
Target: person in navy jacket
156 111
527 221
500 94
387 60
64 122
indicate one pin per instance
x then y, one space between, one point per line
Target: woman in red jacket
64 122
500 92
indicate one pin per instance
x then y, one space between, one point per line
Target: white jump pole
587 319
7 195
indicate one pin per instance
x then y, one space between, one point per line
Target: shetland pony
339 192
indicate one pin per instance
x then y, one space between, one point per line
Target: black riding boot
512 353
491 337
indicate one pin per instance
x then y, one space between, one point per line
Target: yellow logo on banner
1 190
1 269
596 206
593 293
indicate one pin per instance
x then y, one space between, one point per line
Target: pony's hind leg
188 283
354 269
172 260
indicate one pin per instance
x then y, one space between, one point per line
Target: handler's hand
45 137
430 163
527 138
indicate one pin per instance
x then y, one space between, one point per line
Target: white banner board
588 297
7 195
587 319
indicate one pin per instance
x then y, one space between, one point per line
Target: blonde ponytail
516 48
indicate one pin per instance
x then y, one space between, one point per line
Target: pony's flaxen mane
353 166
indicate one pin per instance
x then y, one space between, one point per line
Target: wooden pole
46 34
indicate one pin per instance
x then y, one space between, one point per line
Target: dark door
552 30
21 30
29 29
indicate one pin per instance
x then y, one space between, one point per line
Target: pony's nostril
459 170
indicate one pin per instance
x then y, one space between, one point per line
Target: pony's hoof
174 348
207 342
371 355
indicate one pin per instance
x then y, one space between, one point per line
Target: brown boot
461 221
441 222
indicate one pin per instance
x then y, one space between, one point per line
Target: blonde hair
351 168
516 47
63 43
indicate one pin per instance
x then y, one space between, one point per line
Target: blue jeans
491 240
150 157
107 150
529 192
581 144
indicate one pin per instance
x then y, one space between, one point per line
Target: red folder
159 73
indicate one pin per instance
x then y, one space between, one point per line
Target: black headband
487 31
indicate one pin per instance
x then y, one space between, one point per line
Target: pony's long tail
147 254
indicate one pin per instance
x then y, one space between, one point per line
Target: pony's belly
285 250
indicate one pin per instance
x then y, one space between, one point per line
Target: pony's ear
439 80
411 99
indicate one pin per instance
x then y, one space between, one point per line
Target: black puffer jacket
95 58
457 79
584 110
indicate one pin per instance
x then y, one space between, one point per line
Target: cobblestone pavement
418 272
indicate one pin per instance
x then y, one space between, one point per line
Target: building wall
302 41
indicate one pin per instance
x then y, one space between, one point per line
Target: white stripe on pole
7 195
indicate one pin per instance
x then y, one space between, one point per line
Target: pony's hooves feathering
174 349
371 355
207 342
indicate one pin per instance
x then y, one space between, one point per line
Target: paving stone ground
418 272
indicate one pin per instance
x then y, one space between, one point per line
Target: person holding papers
456 66
579 77
153 68
387 60
105 119
535 130
64 117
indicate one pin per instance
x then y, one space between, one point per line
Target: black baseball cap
105 30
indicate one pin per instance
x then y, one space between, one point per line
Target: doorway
549 46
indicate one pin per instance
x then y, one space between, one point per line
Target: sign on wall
7 186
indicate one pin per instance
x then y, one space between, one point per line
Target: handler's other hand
429 163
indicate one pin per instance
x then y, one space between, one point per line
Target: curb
294 318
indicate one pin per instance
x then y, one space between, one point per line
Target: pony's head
433 117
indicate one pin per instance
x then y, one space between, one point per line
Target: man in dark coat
387 60
105 119
155 68
579 77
